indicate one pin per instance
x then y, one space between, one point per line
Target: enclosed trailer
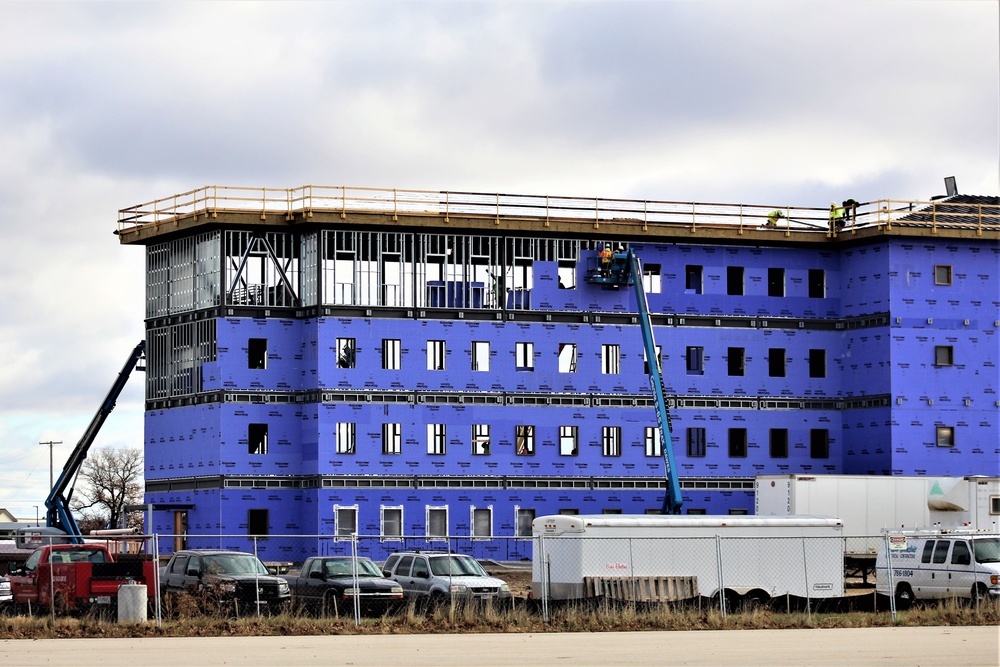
867 504
870 504
971 502
658 557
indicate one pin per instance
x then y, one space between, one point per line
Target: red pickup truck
79 577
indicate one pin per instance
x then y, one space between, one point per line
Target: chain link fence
724 573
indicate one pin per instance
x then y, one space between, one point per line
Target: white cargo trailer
869 504
970 502
660 557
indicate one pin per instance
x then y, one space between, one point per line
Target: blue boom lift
623 271
57 512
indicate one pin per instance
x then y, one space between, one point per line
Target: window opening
480 355
817 363
651 435
524 356
779 443
257 522
257 353
346 353
692 279
346 520
659 360
392 523
944 355
345 437
945 436
737 443
437 522
523 518
482 522
819 443
775 282
567 357
776 362
696 442
652 281
734 280
392 359
817 283
610 359
436 439
435 355
736 360
942 274
524 440
257 435
568 445
695 360
481 439
392 438
611 440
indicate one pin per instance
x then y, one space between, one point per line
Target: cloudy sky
104 105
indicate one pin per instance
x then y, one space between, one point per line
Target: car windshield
457 566
344 568
234 564
987 551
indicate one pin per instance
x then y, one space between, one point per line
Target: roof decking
961 216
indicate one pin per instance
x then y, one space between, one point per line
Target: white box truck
938 564
664 557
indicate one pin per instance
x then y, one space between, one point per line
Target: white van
937 564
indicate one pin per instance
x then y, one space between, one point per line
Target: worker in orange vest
605 256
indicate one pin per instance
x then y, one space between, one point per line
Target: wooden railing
590 211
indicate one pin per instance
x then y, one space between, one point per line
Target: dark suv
231 580
438 577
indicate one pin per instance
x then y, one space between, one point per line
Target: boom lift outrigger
623 270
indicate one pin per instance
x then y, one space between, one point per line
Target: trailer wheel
755 601
904 597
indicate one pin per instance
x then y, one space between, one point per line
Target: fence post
889 578
633 582
805 574
722 587
543 559
256 575
156 579
354 581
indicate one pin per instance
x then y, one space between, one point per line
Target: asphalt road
951 646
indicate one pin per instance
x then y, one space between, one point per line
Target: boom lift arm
623 270
58 514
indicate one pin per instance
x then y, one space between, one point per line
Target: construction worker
850 211
835 217
773 217
605 256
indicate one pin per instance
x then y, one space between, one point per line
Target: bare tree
109 480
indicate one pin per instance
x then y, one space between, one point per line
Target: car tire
904 597
980 595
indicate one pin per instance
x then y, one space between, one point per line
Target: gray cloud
106 105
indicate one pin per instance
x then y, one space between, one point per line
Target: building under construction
338 360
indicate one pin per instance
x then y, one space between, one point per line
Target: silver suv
437 577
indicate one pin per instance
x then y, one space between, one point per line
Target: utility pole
51 467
